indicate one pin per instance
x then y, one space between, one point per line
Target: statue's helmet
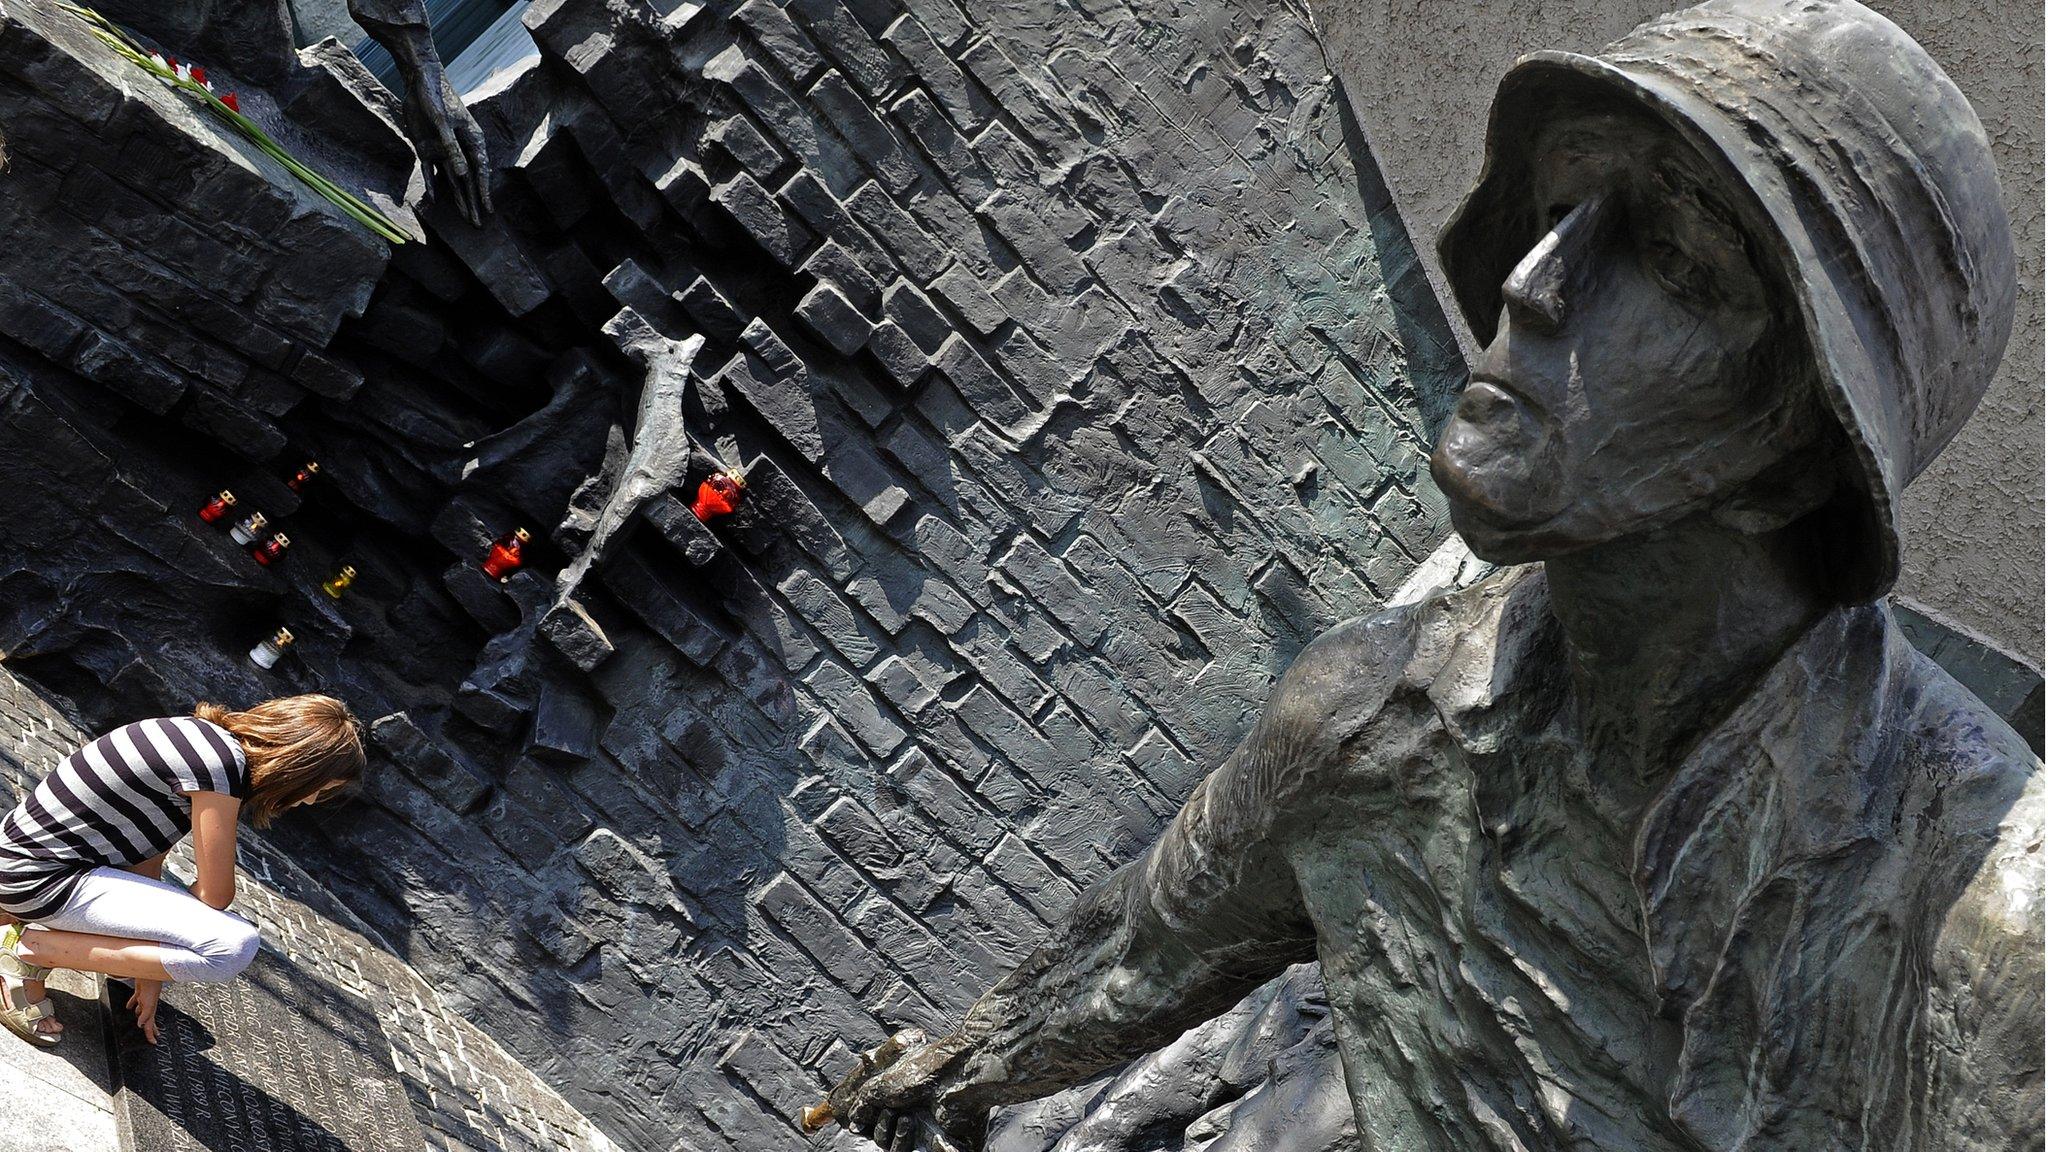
1880 190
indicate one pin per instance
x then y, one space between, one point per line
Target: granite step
278 1059
61 1099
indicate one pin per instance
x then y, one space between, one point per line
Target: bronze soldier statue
253 38
1663 838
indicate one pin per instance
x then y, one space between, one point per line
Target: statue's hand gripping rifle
905 1131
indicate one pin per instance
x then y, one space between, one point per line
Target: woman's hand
898 1097
143 1001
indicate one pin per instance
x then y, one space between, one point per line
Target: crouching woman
82 855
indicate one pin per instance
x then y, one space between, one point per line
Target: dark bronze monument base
276 1060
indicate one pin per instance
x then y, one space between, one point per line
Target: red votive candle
303 476
718 495
272 550
506 554
216 509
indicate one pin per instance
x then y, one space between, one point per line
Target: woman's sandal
26 1020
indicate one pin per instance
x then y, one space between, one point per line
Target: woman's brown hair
298 747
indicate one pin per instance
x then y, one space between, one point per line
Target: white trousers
200 942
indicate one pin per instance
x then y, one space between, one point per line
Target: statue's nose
1542 288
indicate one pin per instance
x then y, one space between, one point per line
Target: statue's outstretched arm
443 132
1208 913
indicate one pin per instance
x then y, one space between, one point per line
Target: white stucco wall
1422 75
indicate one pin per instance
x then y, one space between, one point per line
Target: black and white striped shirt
118 800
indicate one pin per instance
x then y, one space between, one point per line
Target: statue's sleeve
1983 1083
1209 912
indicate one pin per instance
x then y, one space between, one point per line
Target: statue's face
1621 390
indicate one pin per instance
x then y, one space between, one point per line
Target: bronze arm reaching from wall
445 135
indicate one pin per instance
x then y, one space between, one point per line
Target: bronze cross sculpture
1663 838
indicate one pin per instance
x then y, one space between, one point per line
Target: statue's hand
897 1097
449 141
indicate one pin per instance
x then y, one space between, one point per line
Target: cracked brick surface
1086 373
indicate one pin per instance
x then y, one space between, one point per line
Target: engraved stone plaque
276 1060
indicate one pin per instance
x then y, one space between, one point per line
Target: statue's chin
1502 546
1503 503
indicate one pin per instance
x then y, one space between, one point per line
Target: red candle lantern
303 476
719 494
507 553
272 550
217 509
